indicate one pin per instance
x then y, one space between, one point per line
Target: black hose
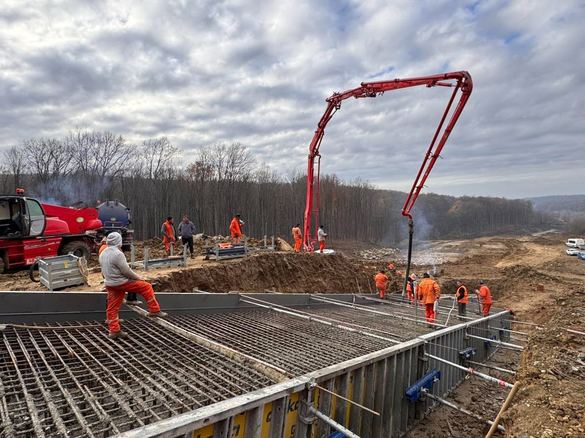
409 256
31 272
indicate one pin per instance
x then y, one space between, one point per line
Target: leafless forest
222 179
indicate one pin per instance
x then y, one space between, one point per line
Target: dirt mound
283 272
552 371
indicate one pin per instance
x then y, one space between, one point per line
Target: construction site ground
531 275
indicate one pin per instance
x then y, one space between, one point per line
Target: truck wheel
78 248
3 264
33 272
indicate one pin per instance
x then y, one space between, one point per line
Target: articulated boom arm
460 81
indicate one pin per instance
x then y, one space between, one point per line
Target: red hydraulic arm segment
459 81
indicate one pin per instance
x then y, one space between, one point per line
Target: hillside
559 203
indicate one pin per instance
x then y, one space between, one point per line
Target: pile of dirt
282 272
552 374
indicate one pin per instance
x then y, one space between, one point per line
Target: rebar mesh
78 382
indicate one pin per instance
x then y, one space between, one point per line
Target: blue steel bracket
414 391
468 353
488 344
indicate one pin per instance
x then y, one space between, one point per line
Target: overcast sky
258 72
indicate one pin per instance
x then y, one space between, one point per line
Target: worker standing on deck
119 279
297 237
381 280
428 291
168 232
410 287
484 295
462 298
236 228
186 232
321 236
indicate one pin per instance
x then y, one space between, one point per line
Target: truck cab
28 232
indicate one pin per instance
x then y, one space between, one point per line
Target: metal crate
61 271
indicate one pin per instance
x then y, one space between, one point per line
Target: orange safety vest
235 229
296 233
381 280
465 298
428 291
170 231
485 295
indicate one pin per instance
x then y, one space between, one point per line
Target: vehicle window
36 217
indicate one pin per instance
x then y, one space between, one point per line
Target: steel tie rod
502 343
471 371
459 408
334 424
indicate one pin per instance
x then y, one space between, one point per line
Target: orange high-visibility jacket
296 233
102 248
169 231
428 291
235 229
485 295
381 280
462 290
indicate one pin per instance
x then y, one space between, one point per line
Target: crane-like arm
460 81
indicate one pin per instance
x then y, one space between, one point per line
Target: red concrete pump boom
460 81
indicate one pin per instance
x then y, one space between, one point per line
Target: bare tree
47 157
157 156
14 159
100 154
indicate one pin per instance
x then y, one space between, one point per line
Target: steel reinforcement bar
377 380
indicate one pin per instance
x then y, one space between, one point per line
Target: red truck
29 230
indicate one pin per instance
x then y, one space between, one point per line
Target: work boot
118 335
157 314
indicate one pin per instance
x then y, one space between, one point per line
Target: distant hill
559 204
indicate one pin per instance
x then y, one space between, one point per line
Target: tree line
225 179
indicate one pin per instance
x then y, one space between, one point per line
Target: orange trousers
321 245
485 309
168 243
381 291
116 297
298 244
430 312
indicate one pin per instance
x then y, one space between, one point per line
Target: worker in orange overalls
168 232
381 280
410 287
428 291
236 228
297 237
119 279
484 295
462 298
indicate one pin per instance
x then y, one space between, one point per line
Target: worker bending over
428 291
484 295
119 279
297 237
168 232
236 228
321 236
462 298
381 280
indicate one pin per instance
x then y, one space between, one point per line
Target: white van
575 243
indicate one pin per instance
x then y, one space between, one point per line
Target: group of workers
427 293
185 233
298 237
